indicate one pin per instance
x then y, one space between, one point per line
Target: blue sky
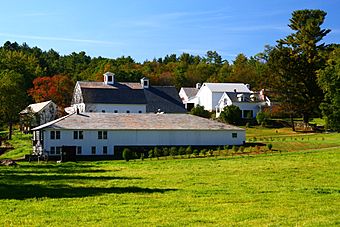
147 29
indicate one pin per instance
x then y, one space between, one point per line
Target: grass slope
298 188
22 144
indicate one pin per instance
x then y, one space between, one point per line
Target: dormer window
240 98
145 82
109 78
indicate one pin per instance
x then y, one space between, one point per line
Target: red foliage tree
58 88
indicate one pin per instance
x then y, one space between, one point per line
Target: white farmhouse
37 114
249 103
101 134
111 96
216 96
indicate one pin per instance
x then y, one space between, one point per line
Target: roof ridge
52 122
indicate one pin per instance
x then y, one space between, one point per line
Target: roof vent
198 86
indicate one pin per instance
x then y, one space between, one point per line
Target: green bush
270 146
173 151
157 152
231 115
188 151
262 118
204 152
196 152
181 151
127 154
235 148
200 111
151 154
166 151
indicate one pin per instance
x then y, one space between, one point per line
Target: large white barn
99 134
112 96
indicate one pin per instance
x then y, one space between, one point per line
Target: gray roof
233 96
227 87
150 121
190 91
164 98
119 93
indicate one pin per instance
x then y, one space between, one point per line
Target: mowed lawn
292 188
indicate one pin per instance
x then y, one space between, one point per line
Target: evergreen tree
295 60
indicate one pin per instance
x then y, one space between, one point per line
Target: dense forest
300 72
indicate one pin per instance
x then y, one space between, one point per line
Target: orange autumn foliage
58 88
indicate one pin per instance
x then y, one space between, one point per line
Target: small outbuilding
101 134
37 114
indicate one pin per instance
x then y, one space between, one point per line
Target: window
109 78
145 83
78 135
58 150
93 150
79 150
52 151
128 111
104 149
234 135
81 135
52 133
247 114
55 135
102 135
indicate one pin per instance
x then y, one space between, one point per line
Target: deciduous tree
58 88
12 97
329 80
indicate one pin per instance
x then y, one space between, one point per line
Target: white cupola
145 82
109 78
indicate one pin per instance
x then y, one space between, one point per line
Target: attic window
109 78
145 83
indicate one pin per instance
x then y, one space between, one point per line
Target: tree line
300 72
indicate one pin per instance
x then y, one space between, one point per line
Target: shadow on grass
50 177
48 168
28 191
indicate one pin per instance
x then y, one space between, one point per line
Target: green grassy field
297 188
300 187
